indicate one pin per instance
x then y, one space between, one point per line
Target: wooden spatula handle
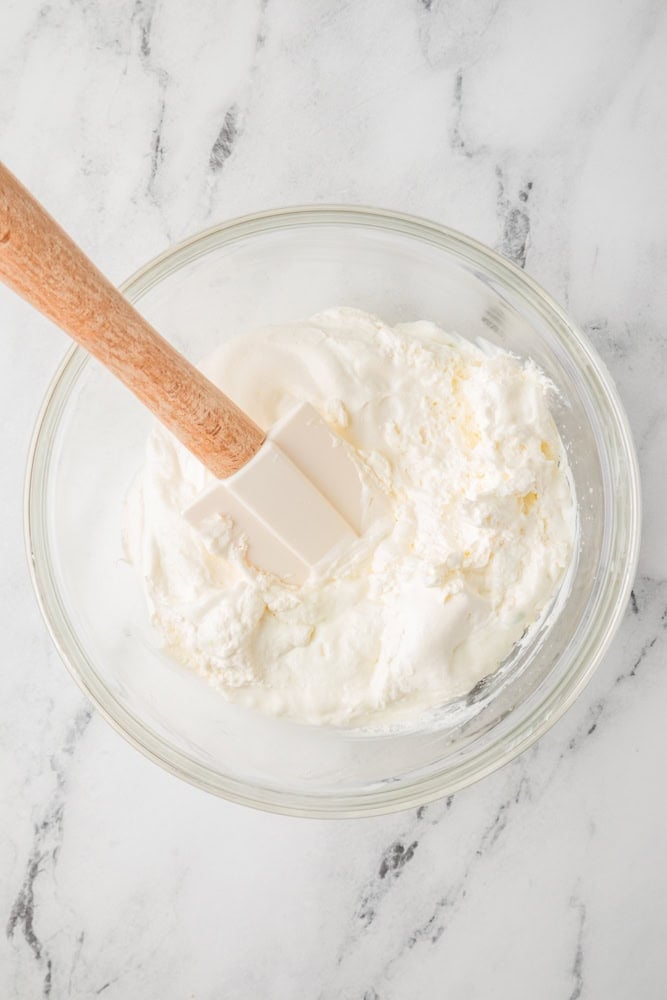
40 262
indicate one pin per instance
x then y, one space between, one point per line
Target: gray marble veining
539 129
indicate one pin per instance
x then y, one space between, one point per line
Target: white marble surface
537 127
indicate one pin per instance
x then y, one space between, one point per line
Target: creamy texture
459 436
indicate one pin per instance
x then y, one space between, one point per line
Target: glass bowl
89 443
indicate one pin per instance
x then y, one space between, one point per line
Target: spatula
297 493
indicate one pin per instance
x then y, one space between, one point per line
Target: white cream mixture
460 437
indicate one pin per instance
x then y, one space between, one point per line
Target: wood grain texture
43 265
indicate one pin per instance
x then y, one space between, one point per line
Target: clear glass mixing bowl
89 443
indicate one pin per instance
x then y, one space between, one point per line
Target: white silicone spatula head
299 500
298 494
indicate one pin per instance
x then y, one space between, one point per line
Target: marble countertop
538 128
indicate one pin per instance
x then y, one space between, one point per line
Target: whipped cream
461 439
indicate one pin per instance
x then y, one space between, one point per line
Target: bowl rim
392 798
